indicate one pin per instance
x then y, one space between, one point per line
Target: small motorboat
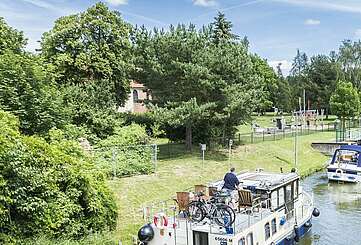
345 165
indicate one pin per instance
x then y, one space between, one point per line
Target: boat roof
262 180
356 148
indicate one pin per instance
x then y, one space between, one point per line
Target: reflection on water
340 206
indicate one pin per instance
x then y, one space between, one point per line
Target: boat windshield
347 157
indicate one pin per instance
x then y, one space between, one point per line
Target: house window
250 239
267 231
135 95
274 226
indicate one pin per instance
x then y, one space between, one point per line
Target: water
340 207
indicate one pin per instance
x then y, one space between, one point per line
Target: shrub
125 152
49 188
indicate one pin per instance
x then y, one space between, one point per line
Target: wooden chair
247 201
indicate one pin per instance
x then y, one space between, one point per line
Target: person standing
231 184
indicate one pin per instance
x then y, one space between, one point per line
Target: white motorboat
345 165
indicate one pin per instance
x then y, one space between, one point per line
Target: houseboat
272 209
345 165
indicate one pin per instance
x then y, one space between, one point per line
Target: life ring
160 221
339 171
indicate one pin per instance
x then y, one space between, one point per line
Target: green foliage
10 39
27 90
183 63
125 152
222 29
93 45
49 188
345 101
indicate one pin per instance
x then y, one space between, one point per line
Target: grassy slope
178 174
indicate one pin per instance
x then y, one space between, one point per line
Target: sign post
203 149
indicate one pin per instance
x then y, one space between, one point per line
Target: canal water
340 207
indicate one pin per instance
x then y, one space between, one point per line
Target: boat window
274 199
281 196
250 239
242 241
274 226
289 196
296 186
267 231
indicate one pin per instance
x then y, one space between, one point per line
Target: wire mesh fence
121 161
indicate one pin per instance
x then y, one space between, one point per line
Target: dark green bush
49 188
125 152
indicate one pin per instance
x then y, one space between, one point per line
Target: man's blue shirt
230 181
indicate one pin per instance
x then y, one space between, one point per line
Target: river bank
181 173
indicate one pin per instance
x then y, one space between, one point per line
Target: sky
275 28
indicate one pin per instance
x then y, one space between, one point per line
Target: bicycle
214 209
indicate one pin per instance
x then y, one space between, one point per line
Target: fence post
155 151
252 137
263 134
113 161
274 135
239 138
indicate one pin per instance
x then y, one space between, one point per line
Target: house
136 100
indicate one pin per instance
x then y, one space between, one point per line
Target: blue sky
275 28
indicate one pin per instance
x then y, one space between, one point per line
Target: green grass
183 172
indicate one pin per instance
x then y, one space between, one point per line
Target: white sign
230 142
203 147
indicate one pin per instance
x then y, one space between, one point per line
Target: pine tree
222 29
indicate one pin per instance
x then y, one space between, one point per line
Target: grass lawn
181 173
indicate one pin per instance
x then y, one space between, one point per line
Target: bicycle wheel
222 215
195 211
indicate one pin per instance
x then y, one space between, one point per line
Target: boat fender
297 233
146 234
282 220
339 171
160 221
316 212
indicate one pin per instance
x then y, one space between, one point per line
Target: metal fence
122 161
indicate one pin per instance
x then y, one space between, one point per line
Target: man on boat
231 184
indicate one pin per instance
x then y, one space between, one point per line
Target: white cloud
348 6
358 33
205 3
285 66
117 2
312 22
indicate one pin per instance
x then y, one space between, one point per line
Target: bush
125 152
49 188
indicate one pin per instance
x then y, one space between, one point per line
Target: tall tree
299 63
345 101
222 29
183 63
93 45
349 57
10 38
322 74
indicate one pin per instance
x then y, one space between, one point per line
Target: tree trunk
189 137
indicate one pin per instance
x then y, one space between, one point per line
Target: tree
49 188
10 39
345 101
222 30
183 63
186 113
299 63
349 57
93 45
322 74
27 90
